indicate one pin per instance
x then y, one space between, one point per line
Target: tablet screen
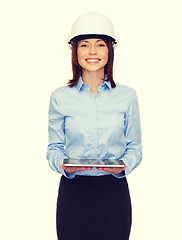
93 162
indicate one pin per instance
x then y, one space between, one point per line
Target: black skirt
93 208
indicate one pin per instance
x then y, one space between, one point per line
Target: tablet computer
93 162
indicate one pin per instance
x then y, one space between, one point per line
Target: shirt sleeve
133 153
56 129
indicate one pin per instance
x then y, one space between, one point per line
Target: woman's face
92 54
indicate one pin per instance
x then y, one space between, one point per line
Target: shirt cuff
69 175
127 170
119 175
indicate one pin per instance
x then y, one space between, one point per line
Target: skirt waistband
107 179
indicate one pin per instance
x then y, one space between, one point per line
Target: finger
100 168
83 168
78 169
89 168
114 170
107 169
70 169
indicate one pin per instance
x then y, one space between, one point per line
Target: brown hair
77 70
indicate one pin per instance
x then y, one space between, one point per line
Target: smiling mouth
92 60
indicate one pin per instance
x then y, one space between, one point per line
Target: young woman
93 118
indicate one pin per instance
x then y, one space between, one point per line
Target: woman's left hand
114 170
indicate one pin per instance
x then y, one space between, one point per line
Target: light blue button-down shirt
105 126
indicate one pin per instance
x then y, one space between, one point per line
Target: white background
35 60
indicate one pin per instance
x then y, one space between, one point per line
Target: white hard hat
92 25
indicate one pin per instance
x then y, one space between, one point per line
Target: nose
92 50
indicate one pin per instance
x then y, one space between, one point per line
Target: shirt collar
108 84
80 84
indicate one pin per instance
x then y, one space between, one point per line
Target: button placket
97 120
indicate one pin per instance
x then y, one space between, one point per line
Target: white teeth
92 60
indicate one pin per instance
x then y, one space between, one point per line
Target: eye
101 45
83 45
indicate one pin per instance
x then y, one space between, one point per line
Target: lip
92 60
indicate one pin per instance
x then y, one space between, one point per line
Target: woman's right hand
69 169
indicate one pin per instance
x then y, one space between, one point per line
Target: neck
94 79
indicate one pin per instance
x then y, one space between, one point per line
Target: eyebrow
99 40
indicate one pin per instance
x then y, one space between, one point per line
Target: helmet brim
90 36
